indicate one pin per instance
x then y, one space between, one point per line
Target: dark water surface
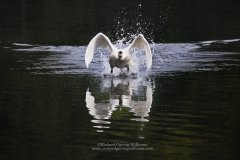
53 107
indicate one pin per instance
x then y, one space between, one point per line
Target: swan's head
121 54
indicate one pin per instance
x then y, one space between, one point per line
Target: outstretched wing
141 43
100 40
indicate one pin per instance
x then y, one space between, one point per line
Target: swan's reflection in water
135 94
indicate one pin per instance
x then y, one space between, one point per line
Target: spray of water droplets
130 22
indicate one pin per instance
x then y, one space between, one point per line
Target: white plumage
119 58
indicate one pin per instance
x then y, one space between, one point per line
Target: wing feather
100 40
141 43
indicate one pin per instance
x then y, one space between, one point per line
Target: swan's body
119 58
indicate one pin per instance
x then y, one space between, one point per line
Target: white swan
119 58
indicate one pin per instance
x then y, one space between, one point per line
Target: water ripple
167 58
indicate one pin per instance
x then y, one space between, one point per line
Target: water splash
129 23
138 58
133 20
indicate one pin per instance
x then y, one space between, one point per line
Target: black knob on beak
120 54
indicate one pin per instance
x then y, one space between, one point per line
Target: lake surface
53 107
